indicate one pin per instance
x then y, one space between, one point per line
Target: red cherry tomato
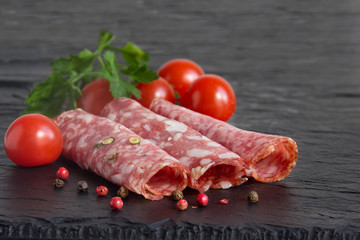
180 73
211 95
95 95
33 140
156 89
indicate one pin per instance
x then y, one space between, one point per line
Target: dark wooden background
295 67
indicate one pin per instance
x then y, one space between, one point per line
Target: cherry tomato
33 140
180 73
211 95
95 95
159 88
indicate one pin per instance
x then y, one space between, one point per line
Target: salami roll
211 165
114 152
269 158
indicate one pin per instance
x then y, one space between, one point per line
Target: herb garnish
60 90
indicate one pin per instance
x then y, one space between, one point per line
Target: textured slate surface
295 69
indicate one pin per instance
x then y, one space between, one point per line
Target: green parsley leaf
49 96
143 75
79 63
118 86
60 91
105 40
134 54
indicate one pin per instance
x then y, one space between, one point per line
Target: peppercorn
82 186
101 190
202 199
134 140
62 173
177 195
113 157
253 197
116 203
58 183
108 141
182 204
104 142
123 192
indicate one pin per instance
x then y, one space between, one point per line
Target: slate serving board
295 69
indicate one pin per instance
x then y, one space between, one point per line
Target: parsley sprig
62 88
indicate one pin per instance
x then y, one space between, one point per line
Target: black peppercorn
123 192
58 183
82 186
253 197
177 195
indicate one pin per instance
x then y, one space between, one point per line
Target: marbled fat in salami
112 151
269 158
210 164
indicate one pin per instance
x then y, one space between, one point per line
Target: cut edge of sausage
276 161
166 180
223 175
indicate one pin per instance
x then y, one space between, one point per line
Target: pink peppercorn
101 190
62 173
202 199
182 204
116 203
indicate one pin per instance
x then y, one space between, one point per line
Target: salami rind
269 158
211 165
104 147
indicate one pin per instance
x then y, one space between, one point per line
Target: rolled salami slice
210 164
269 158
114 152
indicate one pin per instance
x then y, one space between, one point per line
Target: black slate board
294 67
